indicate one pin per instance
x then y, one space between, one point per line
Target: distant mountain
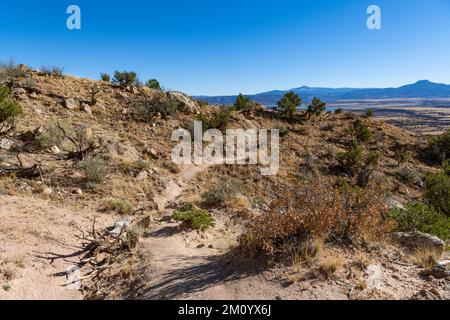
421 89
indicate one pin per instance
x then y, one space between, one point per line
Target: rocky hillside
85 154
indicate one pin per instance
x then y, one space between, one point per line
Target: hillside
422 89
86 155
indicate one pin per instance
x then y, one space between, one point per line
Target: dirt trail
38 244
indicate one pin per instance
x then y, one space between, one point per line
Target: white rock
6 144
33 95
71 104
47 191
78 191
142 175
55 150
19 91
87 109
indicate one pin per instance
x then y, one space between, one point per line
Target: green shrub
225 191
289 104
53 135
121 206
338 111
95 170
437 191
153 84
193 217
370 113
125 78
218 120
316 108
9 111
401 157
351 160
361 131
421 217
242 103
440 147
105 77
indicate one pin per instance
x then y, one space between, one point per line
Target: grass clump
105 77
225 191
329 266
192 217
95 170
121 206
52 71
425 257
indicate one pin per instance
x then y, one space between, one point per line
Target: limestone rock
415 240
86 108
6 144
142 175
71 104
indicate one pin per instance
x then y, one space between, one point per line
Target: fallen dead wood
22 172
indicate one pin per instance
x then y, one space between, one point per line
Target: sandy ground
38 245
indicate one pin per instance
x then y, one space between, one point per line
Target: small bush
288 104
338 111
53 135
218 120
243 103
401 157
437 191
316 108
10 73
225 191
164 105
370 113
319 210
54 71
153 84
420 217
361 131
10 110
121 206
95 170
125 78
195 218
105 77
350 161
439 147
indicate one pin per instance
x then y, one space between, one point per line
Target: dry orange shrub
320 210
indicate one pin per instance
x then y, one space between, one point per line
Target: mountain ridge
424 89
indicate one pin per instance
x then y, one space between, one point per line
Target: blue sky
224 47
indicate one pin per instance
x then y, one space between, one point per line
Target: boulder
142 175
86 108
71 104
415 240
186 104
6 144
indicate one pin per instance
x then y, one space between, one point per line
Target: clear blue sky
220 47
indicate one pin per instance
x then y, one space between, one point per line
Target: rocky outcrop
187 105
415 240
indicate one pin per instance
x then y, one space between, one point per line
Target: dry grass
425 257
329 265
121 206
